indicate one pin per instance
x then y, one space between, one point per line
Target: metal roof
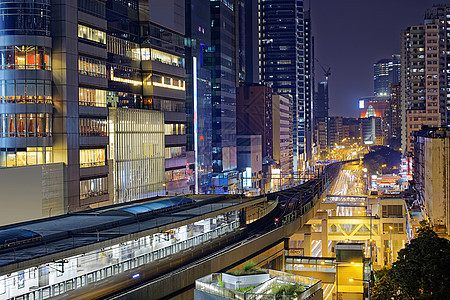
16 235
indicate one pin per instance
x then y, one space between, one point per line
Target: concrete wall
31 192
437 182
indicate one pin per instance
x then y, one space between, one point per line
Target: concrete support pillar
324 237
307 247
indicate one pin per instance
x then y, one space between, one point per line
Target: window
31 156
91 34
25 18
167 58
93 7
392 228
93 187
92 157
91 66
93 127
25 125
173 152
392 211
25 91
25 57
123 47
174 129
91 97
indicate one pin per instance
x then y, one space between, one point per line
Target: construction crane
327 72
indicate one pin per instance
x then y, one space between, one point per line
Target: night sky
350 35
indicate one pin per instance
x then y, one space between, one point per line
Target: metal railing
213 284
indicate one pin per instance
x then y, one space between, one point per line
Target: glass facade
91 67
164 39
123 47
221 58
93 127
25 128
136 140
174 129
198 93
91 34
26 91
25 125
92 157
162 57
26 157
93 187
25 57
25 17
91 97
93 7
283 63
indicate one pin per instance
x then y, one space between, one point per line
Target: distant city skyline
350 38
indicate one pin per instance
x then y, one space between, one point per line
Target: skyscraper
321 103
223 61
309 85
198 92
393 117
282 63
58 79
385 72
425 74
254 115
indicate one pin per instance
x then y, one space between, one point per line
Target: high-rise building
223 59
385 72
372 131
282 132
351 131
198 92
431 177
393 117
425 74
321 103
282 60
61 75
254 115
335 131
251 24
308 85
249 153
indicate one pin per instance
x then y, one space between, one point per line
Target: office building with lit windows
224 62
78 73
53 98
146 71
282 62
198 93
386 72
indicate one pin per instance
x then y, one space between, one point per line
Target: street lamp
362 280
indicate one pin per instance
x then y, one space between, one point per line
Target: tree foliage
421 271
382 156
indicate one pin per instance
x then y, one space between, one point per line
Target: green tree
385 286
421 272
422 269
